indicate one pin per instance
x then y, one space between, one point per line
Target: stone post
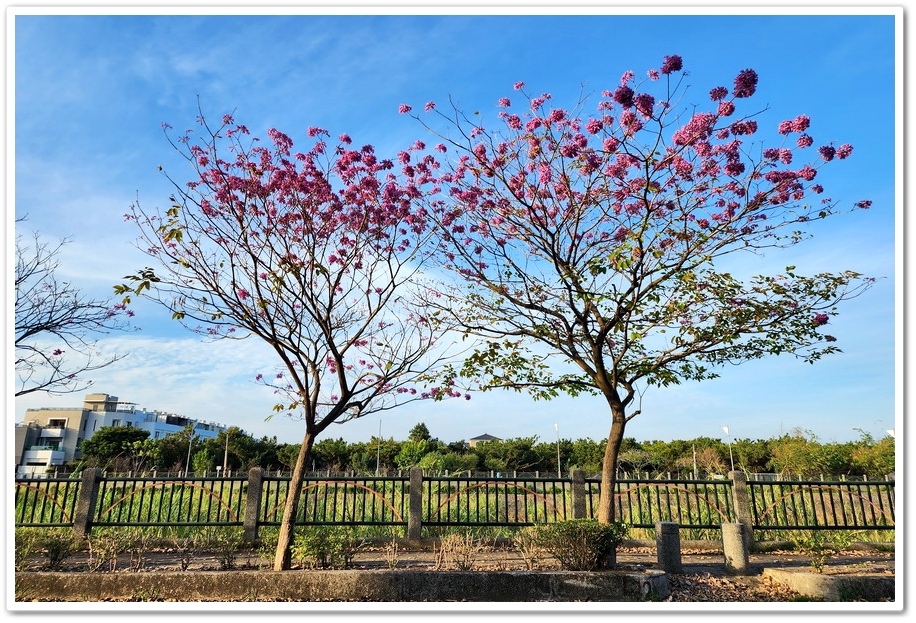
85 505
253 504
578 493
668 546
415 504
734 546
741 496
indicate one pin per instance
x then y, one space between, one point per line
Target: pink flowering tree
319 254
593 251
57 324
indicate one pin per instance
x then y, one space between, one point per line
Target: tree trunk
606 512
283 557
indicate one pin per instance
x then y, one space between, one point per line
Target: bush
57 545
582 544
321 547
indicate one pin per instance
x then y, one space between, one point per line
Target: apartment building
50 437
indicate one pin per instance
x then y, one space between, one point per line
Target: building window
55 423
116 422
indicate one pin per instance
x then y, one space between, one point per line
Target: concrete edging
346 586
835 587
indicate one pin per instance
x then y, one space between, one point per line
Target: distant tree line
798 454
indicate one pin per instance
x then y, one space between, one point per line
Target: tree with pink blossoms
592 251
57 324
319 254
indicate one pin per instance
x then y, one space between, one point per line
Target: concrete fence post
734 545
741 495
415 505
578 493
253 504
85 505
668 546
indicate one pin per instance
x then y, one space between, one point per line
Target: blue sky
91 92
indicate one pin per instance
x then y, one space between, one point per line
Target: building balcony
53 433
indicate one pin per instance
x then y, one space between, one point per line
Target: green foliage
819 545
412 452
226 542
111 442
323 547
56 545
581 544
26 545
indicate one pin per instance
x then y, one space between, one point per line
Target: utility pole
729 437
378 451
559 471
226 454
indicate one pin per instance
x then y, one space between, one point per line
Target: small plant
581 544
391 553
528 547
817 545
458 550
322 547
57 545
226 543
139 544
26 546
105 549
186 547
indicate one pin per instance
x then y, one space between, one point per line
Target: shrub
458 550
581 544
57 545
26 545
818 545
322 547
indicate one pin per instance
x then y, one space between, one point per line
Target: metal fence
419 500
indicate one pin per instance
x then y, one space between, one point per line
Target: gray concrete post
668 546
741 495
415 504
85 505
735 548
578 493
253 504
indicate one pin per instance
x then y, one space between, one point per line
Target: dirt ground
704 577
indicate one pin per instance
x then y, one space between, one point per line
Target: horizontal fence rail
418 500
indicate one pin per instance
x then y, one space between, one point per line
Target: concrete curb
835 588
345 586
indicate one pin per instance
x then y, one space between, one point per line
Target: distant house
482 439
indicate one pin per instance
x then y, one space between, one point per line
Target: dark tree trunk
283 557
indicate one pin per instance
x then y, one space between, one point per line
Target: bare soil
704 576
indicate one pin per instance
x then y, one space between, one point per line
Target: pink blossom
624 96
726 109
864 204
519 86
804 141
843 151
801 123
820 319
57 352
644 103
429 106
594 126
242 293
404 108
504 102
827 152
718 93
672 63
653 74
745 83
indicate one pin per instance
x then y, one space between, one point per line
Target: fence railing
419 500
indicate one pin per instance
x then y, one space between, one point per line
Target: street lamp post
730 457
559 471
378 451
226 454
187 464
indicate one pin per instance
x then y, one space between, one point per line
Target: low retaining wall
835 587
345 586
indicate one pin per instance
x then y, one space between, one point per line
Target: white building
50 437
